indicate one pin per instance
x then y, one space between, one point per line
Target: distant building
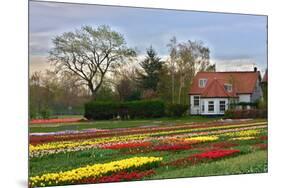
212 93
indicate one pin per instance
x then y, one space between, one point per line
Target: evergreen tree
151 67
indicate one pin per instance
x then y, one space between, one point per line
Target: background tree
90 53
211 68
193 57
148 76
126 84
60 94
171 64
185 60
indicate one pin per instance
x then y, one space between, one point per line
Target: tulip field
158 151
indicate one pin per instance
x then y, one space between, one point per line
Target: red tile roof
242 83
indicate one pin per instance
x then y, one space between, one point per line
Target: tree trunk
180 89
173 84
93 92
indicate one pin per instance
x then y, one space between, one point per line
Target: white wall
205 101
194 110
244 98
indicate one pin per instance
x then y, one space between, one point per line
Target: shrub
176 110
101 110
145 109
45 113
132 109
251 113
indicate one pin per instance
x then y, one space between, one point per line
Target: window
203 107
228 87
211 106
202 83
222 106
196 100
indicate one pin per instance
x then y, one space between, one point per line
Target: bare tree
173 56
192 57
90 53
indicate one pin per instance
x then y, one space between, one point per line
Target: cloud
38 63
248 64
229 36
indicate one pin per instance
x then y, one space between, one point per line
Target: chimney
255 69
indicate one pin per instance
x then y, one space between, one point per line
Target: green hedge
133 109
176 110
251 113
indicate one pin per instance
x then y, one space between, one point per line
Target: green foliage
151 66
251 113
132 109
263 103
176 110
45 113
145 109
69 160
101 110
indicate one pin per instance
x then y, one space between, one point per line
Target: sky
234 40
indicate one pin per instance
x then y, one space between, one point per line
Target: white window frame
228 87
211 105
196 99
202 82
203 107
221 105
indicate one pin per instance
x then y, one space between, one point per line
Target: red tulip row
215 154
57 120
127 145
204 156
223 145
263 138
120 176
173 147
261 146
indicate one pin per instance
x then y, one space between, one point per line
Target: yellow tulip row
93 171
202 139
246 133
80 143
243 138
205 129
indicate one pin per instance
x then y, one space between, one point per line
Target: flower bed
126 145
71 144
94 171
120 176
223 145
244 138
261 146
203 157
263 138
151 132
57 120
196 137
174 147
215 154
246 133
201 139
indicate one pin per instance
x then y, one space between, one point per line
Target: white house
211 93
